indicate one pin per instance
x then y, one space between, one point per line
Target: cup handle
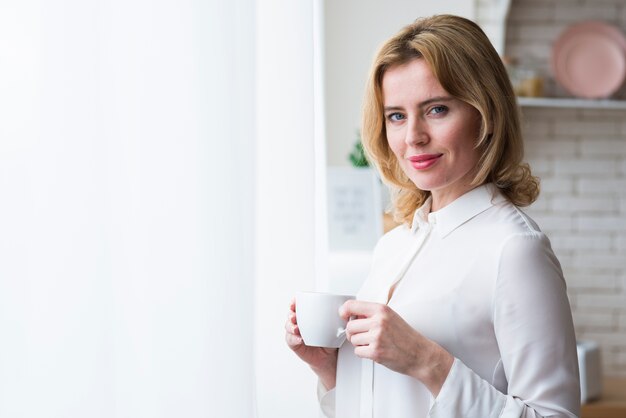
342 331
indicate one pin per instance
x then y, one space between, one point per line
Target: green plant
357 156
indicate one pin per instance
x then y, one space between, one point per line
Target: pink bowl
589 59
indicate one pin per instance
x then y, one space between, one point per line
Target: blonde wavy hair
468 68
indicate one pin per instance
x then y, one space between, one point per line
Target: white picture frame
355 216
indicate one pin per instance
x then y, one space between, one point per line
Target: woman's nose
416 132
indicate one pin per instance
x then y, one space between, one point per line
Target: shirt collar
450 217
420 218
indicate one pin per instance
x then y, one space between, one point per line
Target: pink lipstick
424 161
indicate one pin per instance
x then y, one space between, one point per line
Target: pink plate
589 59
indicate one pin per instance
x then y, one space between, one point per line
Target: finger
360 308
292 305
291 317
293 340
364 351
360 339
291 328
355 326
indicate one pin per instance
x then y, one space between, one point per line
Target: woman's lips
424 161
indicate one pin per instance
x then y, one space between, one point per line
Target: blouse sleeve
533 325
326 399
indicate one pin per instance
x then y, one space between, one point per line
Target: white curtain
287 161
156 213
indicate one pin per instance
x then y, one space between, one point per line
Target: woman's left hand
380 334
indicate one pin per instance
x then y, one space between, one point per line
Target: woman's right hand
322 360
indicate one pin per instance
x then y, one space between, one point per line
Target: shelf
571 103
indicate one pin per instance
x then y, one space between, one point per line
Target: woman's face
431 133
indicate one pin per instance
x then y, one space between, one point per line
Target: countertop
612 404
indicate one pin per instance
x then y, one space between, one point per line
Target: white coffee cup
318 318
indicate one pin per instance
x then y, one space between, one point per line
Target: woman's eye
436 110
394 117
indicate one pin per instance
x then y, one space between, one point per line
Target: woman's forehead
412 79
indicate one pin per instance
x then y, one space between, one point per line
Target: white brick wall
597 321
579 280
534 25
607 224
534 12
586 127
580 156
571 241
605 186
604 147
557 147
562 202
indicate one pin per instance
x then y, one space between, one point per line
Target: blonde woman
465 312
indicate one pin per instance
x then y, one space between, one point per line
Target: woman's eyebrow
421 104
436 99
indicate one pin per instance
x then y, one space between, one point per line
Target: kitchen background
577 149
580 156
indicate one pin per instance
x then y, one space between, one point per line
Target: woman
465 312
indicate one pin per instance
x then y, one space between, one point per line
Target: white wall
354 29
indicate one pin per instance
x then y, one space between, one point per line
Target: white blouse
480 279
